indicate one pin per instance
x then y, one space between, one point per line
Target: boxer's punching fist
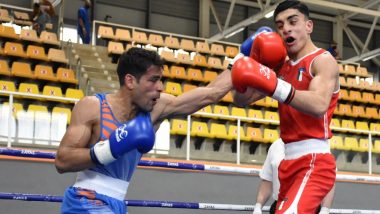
137 133
269 50
247 72
246 46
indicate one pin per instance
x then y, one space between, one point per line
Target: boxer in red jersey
307 87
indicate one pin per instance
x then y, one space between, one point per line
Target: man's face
147 91
294 29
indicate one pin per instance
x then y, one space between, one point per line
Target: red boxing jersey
295 125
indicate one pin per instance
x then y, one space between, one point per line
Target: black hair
291 4
136 61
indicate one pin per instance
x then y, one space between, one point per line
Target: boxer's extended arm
327 202
265 191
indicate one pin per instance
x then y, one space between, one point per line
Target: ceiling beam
366 5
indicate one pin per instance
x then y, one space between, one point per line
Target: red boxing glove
246 72
269 49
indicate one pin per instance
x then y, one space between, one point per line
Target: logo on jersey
300 72
265 71
121 133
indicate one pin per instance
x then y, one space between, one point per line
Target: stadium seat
74 93
200 60
362 71
36 52
178 72
105 32
57 55
66 75
156 40
63 111
115 48
226 62
260 102
29 35
199 129
368 97
255 134
194 74
375 127
351 83
52 91
122 35
361 125
376 147
173 88
270 102
232 51
270 135
49 38
343 94
377 99
336 142
202 47
358 111
221 110
228 97
335 123
172 42
206 109
342 81
272 116
22 18
214 62
355 96
371 113
363 145
22 69
344 109
42 121
139 37
4 16
25 126
350 143
178 127
350 69
232 131
168 56
14 49
347 124
219 131
8 32
166 72
7 86
255 114
217 49
210 75
364 85
44 72
188 45
4 68
238 112
29 88
188 87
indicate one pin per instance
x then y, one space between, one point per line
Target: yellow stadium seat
178 127
4 68
173 88
358 111
214 62
352 83
347 124
377 99
74 93
22 18
350 69
238 112
343 94
371 113
115 48
210 75
194 74
335 123
221 110
188 87
255 114
14 49
261 102
178 72
184 58
272 116
166 72
22 69
200 60
122 35
232 51
336 142
172 42
29 88
4 16
344 109
40 108
202 47
217 49
105 32
342 81
226 62
168 56
36 52
7 86
360 125
206 109
270 102
57 55
364 84
49 38
368 97
139 37
376 147
44 72
255 134
29 35
66 75
219 131
156 40
199 129
52 91
362 71
232 131
65 111
228 97
8 32
355 96
270 135
375 127
363 145
187 45
351 143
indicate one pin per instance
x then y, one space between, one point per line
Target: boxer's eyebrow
288 18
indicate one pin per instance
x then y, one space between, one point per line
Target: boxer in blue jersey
109 133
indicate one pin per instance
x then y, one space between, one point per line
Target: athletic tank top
295 125
124 166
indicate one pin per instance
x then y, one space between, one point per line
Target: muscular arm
316 100
329 198
265 191
193 100
73 153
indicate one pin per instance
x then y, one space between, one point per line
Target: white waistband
297 149
102 184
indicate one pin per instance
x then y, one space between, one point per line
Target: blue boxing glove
137 133
245 47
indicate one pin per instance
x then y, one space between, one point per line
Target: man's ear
309 26
130 81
